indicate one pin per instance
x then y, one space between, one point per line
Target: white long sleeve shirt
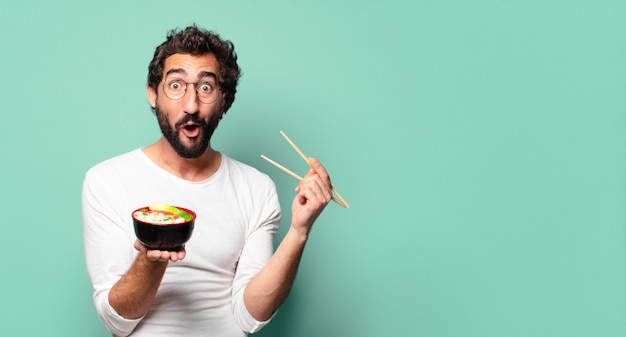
238 214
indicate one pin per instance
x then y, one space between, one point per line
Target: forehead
191 65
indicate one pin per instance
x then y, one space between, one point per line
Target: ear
152 96
223 102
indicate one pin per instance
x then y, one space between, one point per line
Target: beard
173 133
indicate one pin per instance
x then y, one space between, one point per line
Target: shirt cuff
114 322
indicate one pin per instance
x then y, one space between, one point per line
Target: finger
154 255
318 186
182 253
140 247
318 168
165 256
312 198
325 188
173 256
319 190
178 255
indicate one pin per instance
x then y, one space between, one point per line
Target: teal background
481 145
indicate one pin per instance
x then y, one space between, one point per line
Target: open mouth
191 130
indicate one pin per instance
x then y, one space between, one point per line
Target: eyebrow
183 72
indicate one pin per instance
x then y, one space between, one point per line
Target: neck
192 169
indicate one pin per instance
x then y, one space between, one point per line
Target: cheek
166 107
164 114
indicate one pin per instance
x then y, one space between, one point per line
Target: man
226 281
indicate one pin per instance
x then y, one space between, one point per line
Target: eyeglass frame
196 90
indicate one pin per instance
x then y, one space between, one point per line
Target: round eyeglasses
175 89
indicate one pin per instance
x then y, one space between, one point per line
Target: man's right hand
161 255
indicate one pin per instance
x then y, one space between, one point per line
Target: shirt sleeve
109 250
257 250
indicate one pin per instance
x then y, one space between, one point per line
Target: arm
132 295
109 253
271 286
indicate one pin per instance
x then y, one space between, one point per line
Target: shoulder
117 161
247 178
255 191
115 166
244 171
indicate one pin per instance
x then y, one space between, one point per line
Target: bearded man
227 280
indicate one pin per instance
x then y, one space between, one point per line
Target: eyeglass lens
175 89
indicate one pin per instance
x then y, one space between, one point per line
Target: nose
190 100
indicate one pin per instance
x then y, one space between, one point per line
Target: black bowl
163 236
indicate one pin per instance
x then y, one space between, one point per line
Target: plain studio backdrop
481 145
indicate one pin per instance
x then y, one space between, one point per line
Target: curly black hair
197 41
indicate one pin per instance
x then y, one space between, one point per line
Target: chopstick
342 202
286 170
295 147
289 172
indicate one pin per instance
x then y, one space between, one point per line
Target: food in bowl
163 227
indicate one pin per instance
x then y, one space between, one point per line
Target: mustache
190 118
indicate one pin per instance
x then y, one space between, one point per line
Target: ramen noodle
157 217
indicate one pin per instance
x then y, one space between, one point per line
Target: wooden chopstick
295 147
286 170
343 203
289 172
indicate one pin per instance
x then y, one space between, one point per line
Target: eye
175 85
205 87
